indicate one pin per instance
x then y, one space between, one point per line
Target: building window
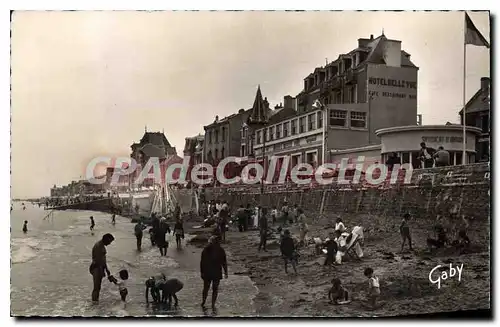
285 129
405 158
311 158
216 136
278 131
485 124
216 154
294 126
358 119
272 136
222 153
302 124
242 151
338 118
223 136
210 137
320 119
312 122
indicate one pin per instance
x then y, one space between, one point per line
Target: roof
151 150
473 99
156 138
281 114
259 109
227 118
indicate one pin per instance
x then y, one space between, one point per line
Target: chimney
288 101
216 118
485 83
371 36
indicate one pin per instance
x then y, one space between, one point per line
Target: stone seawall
430 192
102 205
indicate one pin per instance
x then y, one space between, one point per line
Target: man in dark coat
213 260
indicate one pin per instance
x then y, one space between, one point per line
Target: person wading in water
139 227
92 223
213 260
98 268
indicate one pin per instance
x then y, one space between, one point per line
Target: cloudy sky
85 84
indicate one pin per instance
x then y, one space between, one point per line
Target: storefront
405 141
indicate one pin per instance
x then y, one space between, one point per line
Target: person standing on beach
213 261
263 230
139 227
179 232
98 268
302 225
284 214
288 251
113 220
25 227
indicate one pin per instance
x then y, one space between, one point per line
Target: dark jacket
263 225
287 246
213 260
331 247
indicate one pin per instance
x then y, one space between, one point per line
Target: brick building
478 115
372 87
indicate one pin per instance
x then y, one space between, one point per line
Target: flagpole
464 121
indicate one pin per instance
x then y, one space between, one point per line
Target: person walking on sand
263 224
25 227
213 261
179 233
288 251
98 268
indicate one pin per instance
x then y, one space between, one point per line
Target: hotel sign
392 82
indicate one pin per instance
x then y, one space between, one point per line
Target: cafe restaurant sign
443 139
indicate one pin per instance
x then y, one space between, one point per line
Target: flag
472 35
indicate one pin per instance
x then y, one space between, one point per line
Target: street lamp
318 105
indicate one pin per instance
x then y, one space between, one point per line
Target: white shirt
340 226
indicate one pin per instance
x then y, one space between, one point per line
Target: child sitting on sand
373 287
338 294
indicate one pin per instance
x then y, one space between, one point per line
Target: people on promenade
179 232
288 251
274 214
98 268
92 223
25 227
442 157
393 159
213 261
138 231
426 155
263 225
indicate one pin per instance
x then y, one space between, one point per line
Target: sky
86 84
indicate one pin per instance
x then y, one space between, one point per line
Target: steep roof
259 109
151 150
480 97
156 138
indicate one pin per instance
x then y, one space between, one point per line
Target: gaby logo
278 172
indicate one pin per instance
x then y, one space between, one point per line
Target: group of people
431 157
159 231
